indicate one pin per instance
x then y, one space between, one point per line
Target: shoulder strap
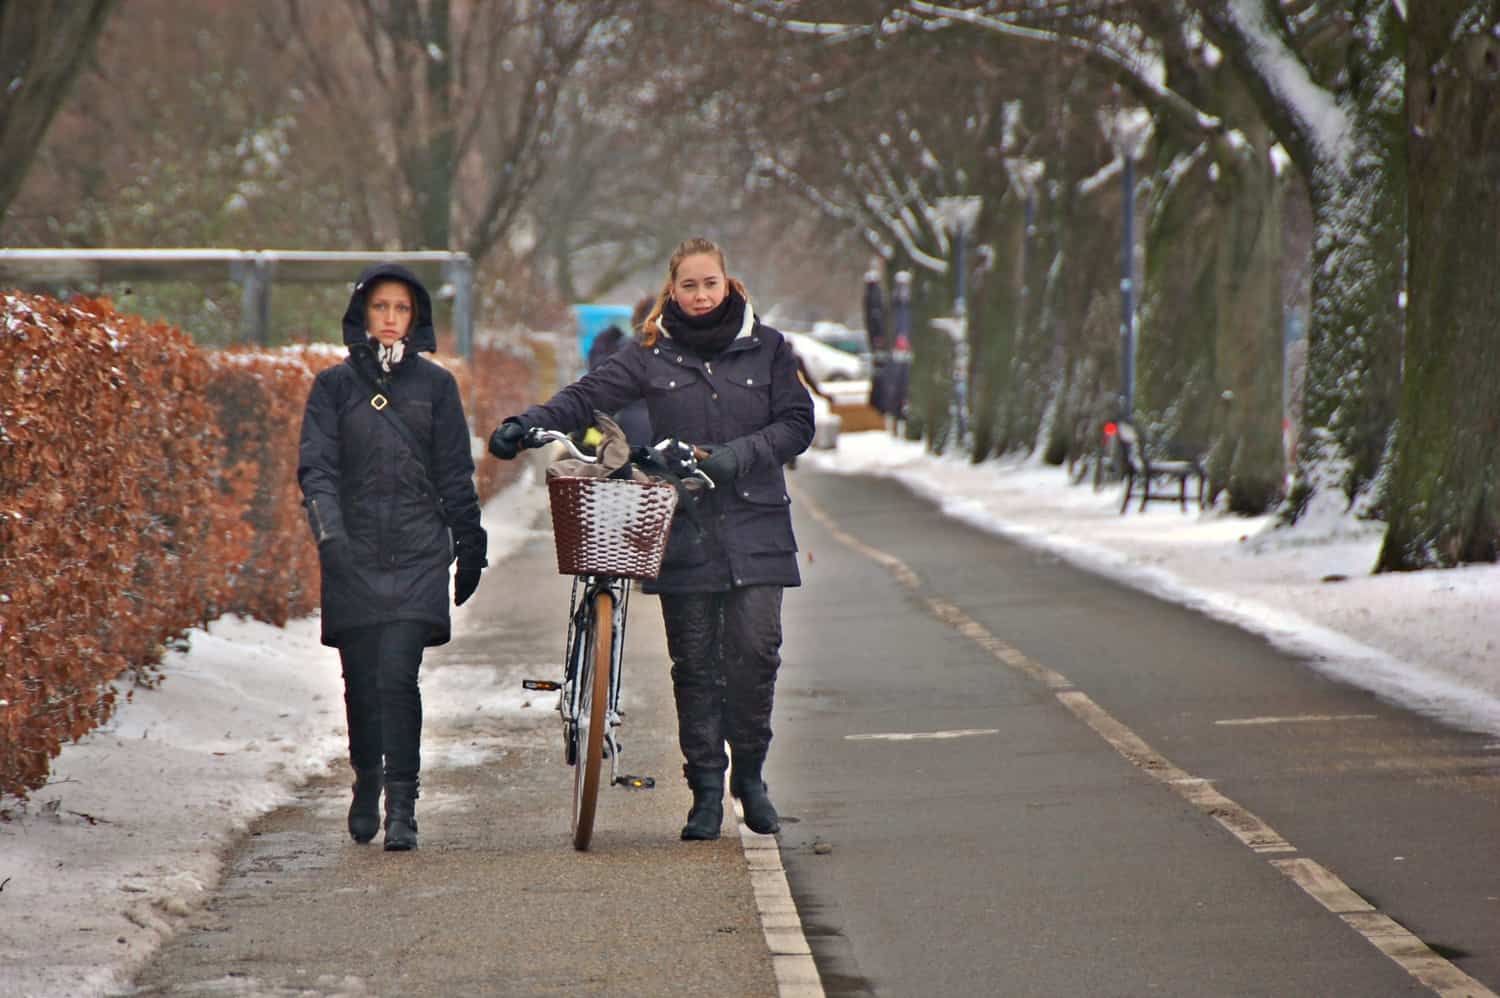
381 402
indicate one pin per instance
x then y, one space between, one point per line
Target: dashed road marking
1296 719
1380 930
921 736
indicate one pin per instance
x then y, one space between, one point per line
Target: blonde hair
650 330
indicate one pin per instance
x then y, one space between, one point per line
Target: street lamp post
958 215
1128 131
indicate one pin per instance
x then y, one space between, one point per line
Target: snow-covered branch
1318 113
1131 70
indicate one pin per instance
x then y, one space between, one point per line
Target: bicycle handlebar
672 454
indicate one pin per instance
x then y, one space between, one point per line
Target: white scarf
391 355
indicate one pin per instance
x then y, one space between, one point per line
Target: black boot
707 815
746 784
364 812
400 816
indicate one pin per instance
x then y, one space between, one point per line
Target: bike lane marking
1402 946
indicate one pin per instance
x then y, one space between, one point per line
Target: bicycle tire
592 717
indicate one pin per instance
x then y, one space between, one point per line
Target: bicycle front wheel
593 713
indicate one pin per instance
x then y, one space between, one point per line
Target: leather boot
400 817
707 815
745 783
364 811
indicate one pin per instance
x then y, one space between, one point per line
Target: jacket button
715 396
671 384
679 358
749 381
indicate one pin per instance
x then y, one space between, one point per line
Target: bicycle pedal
636 782
545 685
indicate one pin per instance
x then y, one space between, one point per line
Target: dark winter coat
362 482
748 397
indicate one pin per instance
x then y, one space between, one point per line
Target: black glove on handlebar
721 464
506 442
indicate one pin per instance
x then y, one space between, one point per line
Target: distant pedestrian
713 375
388 483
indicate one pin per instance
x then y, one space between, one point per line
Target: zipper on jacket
322 527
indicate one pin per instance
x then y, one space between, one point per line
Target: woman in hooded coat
713 375
388 483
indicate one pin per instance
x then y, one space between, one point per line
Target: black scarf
706 335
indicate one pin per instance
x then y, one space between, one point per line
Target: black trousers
381 697
725 649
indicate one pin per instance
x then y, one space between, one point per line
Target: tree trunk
43 44
930 399
1442 496
993 317
1356 327
1355 331
435 196
1031 372
1248 458
1176 385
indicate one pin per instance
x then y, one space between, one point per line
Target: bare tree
452 104
43 44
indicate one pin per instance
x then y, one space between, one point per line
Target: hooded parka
405 516
749 398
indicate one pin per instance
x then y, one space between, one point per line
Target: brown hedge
116 531
146 487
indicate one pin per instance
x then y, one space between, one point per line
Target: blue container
594 319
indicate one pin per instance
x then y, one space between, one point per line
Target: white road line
1297 719
1380 930
791 957
921 736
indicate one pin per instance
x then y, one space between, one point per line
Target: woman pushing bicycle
715 376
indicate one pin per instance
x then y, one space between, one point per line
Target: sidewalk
496 901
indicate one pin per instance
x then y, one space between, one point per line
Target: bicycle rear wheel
593 712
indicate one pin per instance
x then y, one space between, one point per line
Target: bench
1136 463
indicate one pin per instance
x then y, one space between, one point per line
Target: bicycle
608 532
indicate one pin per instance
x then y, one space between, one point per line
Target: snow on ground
134 824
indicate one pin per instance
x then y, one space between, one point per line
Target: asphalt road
999 775
1075 832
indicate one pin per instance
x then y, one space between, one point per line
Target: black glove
721 464
465 581
506 442
470 547
337 558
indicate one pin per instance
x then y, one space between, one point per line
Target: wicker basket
608 526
